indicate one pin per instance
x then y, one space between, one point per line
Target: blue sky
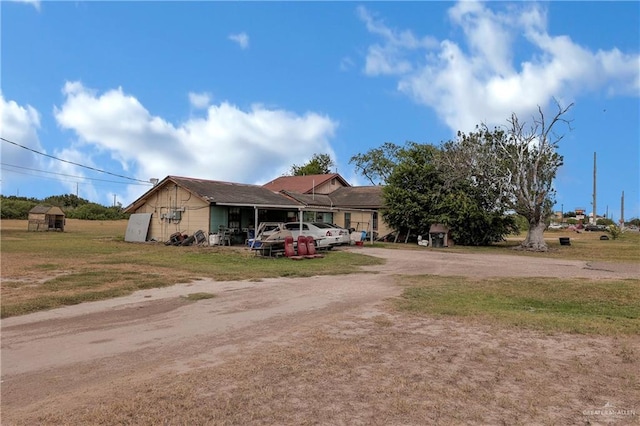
241 91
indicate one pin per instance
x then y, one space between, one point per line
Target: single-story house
335 201
186 205
46 218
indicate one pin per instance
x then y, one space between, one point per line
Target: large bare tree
514 165
531 161
520 163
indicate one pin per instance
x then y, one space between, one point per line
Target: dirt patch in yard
318 350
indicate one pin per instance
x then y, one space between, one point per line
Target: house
46 218
331 199
359 209
186 205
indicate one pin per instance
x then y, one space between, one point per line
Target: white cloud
241 38
228 144
20 124
34 3
387 58
199 100
477 80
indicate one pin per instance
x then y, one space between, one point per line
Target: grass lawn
548 304
604 307
90 261
450 350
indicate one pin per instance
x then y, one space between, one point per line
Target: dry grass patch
585 246
413 371
90 261
549 304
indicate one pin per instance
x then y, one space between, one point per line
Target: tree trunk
535 237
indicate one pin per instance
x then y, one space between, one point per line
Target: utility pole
622 210
594 189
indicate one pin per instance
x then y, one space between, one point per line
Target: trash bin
364 236
214 239
437 239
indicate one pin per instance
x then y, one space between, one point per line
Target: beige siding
362 221
328 187
193 211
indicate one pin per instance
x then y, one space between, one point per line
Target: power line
71 162
67 175
61 179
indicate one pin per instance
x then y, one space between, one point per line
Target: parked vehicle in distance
595 228
340 234
325 235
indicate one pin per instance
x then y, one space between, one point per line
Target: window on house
375 221
234 217
347 220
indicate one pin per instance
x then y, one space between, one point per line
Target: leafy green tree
377 164
605 221
410 192
65 201
93 211
521 222
13 207
419 192
635 222
319 164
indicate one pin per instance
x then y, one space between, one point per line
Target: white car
325 235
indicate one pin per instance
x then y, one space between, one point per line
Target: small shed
46 218
439 236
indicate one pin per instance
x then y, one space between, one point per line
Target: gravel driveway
64 351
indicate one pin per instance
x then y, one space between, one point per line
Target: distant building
46 218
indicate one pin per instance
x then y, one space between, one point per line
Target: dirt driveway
57 361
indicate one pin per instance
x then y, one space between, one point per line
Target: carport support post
371 222
255 222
